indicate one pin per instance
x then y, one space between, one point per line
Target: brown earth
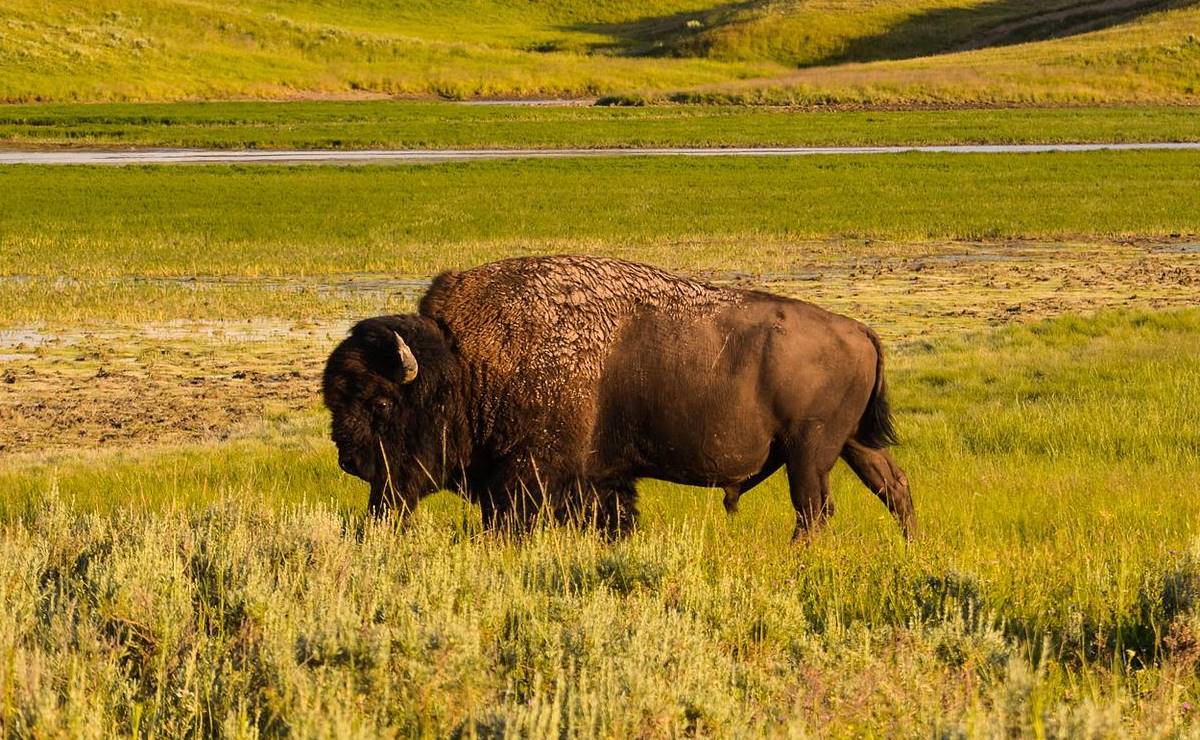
144 385
110 387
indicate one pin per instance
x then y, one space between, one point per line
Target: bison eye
383 405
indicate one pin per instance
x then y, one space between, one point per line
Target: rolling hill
791 51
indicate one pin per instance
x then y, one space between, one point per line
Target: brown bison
552 384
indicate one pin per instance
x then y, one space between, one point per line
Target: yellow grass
122 50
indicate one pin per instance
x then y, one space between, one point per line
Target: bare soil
162 384
153 384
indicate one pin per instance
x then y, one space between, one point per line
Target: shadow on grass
672 35
935 31
996 23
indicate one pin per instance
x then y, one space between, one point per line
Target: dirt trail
162 384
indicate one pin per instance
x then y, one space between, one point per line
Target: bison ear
387 351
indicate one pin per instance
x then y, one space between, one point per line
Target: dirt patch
191 381
156 384
954 290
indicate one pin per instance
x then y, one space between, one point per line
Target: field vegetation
439 125
235 586
179 553
891 52
410 220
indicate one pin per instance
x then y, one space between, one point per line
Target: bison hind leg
880 473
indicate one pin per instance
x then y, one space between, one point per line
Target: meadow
180 554
264 221
440 125
893 52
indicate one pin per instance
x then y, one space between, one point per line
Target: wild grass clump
1054 589
311 622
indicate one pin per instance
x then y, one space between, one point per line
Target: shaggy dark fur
551 384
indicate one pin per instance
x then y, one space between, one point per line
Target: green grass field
426 125
261 221
120 239
890 52
180 554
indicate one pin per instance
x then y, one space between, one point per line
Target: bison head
390 389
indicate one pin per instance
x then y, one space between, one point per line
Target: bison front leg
515 496
879 472
617 510
385 500
609 508
508 510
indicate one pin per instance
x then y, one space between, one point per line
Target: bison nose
346 463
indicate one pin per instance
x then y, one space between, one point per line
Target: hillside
807 51
805 33
1155 59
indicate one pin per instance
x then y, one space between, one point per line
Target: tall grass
1053 590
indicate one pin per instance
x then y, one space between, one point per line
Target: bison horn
407 361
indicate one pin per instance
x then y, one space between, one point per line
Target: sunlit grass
1154 59
415 220
427 125
127 50
1052 465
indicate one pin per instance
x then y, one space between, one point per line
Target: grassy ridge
821 34
401 220
417 125
1154 59
1052 591
153 49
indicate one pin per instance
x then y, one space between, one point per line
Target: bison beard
550 385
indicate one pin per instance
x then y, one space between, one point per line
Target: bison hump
553 320
440 289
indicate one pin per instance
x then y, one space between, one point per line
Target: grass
424 125
228 583
1152 60
414 220
907 51
151 49
820 35
1052 591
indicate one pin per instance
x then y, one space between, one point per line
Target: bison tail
875 428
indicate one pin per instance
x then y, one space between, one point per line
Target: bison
550 385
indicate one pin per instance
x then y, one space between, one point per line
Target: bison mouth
347 464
